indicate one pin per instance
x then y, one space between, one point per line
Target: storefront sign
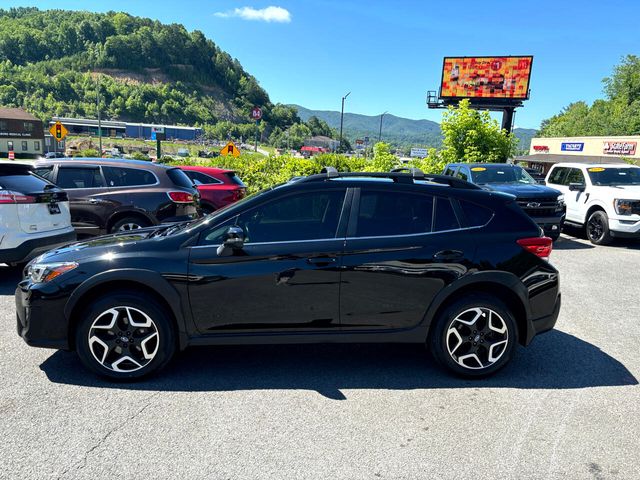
540 148
572 147
619 148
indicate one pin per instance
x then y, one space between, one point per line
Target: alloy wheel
125 227
595 228
123 339
477 338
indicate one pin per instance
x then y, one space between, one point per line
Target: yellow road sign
58 131
230 149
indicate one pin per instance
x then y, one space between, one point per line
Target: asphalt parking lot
568 406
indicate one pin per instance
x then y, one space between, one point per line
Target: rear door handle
94 200
321 260
448 255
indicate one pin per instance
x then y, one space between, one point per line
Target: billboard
486 77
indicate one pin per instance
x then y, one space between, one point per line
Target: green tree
473 136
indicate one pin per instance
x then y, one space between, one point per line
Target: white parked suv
34 214
602 198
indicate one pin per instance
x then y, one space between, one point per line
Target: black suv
333 257
114 195
544 205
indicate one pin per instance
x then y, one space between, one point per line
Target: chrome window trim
348 238
105 178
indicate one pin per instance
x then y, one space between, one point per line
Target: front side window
79 177
384 213
575 176
128 177
302 216
462 174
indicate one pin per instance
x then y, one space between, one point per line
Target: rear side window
235 179
392 213
44 172
445 218
23 183
558 176
128 177
200 178
179 178
74 177
475 214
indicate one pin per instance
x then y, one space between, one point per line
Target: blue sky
388 54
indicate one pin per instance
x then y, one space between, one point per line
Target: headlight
560 198
625 207
45 272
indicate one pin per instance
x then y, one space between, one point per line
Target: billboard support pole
507 118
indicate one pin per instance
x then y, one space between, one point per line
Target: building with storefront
117 129
545 152
20 133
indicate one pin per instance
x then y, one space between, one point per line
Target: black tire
129 223
441 341
141 341
206 209
597 228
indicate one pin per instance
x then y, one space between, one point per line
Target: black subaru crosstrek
333 257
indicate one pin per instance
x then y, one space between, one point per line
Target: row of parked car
51 202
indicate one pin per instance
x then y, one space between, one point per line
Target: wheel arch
119 215
502 285
146 281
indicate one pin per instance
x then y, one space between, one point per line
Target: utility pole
99 119
341 118
380 132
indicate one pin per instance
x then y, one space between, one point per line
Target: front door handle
448 255
321 261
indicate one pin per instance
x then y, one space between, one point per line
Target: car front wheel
598 228
474 337
124 336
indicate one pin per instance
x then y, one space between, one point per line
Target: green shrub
87 152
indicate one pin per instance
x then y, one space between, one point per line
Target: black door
286 276
88 197
398 256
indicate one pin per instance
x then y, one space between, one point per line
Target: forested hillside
51 61
617 114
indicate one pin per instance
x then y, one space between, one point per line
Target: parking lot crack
82 463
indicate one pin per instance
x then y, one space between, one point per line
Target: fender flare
149 279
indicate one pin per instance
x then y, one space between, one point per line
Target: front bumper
32 248
550 224
40 315
625 227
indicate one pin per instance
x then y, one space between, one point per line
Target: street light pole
380 132
341 118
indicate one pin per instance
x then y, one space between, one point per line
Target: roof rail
413 174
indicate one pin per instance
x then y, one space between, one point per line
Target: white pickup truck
602 198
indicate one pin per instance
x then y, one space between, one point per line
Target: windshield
614 176
501 174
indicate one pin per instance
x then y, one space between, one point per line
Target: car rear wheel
474 337
125 336
129 223
598 228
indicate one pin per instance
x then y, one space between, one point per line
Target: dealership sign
572 147
540 148
619 148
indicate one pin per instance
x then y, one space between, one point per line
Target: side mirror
577 187
233 239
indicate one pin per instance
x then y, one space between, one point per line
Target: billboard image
486 77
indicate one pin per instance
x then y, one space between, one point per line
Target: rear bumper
32 248
545 323
40 318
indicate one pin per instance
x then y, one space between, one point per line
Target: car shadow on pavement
9 278
555 360
566 243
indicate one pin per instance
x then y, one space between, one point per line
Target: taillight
539 246
180 197
9 196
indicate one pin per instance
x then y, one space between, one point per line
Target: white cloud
268 14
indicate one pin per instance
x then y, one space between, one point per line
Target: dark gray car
108 195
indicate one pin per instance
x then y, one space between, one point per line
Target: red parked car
217 186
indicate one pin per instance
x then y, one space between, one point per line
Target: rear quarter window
179 178
23 183
475 215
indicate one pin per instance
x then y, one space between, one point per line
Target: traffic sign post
256 114
58 131
230 149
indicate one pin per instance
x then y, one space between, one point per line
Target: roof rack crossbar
413 174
